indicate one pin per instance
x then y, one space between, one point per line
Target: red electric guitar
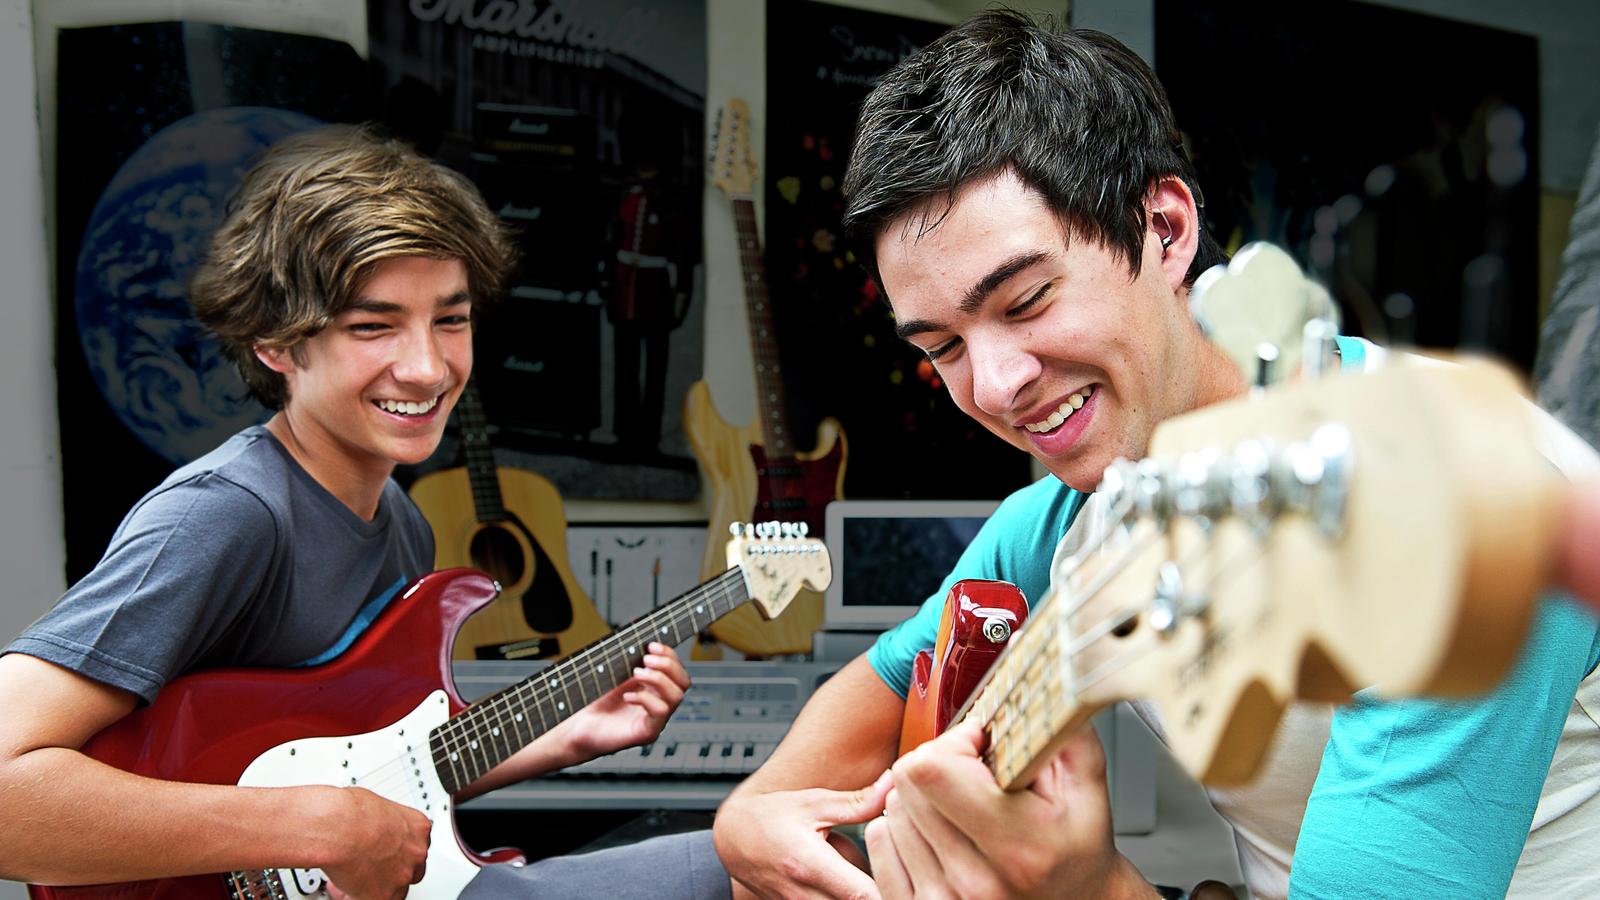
385 714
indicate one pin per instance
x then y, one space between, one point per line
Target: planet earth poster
157 123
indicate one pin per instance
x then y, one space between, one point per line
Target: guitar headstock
1387 530
733 163
1270 319
778 559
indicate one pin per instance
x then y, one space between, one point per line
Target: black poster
839 350
582 123
1395 154
157 123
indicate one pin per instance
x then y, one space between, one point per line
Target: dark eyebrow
369 305
973 299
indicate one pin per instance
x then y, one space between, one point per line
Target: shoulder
1046 505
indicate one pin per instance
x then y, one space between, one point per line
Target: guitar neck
1027 702
487 500
770 398
489 731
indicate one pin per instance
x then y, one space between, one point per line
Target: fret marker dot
560 705
663 629
554 682
454 757
519 717
495 732
600 668
699 609
630 649
472 744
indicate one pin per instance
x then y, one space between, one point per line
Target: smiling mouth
1062 413
406 407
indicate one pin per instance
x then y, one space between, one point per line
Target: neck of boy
357 486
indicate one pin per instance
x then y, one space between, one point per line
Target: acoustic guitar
385 714
755 472
1307 542
509 523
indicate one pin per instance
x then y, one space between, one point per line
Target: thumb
831 808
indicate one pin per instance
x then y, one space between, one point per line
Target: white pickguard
395 764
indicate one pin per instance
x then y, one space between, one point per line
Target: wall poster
583 124
157 123
836 335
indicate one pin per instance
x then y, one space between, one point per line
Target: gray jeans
671 866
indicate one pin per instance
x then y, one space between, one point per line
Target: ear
1171 220
278 359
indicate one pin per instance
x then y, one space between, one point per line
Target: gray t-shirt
238 559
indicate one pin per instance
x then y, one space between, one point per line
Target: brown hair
309 222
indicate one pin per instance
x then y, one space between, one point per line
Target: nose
421 359
1000 370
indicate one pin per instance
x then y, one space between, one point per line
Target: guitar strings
1100 631
454 732
391 775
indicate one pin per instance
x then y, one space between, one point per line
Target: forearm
129 828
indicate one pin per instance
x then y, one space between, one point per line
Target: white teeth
406 408
1054 420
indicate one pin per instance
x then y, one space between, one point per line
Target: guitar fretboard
489 731
487 500
770 398
1027 698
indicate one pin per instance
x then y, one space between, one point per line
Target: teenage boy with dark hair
1023 198
343 282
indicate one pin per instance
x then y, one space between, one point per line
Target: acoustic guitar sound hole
496 551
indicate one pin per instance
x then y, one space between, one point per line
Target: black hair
1074 113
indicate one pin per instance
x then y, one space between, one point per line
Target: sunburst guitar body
508 523
755 472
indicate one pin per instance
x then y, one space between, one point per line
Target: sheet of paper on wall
628 569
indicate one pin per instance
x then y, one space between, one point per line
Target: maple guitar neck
771 399
1308 543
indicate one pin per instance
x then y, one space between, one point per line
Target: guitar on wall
515 530
755 471
1313 540
385 715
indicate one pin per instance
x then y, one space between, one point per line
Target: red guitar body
978 621
794 489
207 727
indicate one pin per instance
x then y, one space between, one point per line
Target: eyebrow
369 305
972 300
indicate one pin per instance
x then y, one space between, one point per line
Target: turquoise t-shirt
1414 798
1014 545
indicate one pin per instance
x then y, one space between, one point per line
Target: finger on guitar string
658 683
664 659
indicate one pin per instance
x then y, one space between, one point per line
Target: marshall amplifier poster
839 350
582 123
157 123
